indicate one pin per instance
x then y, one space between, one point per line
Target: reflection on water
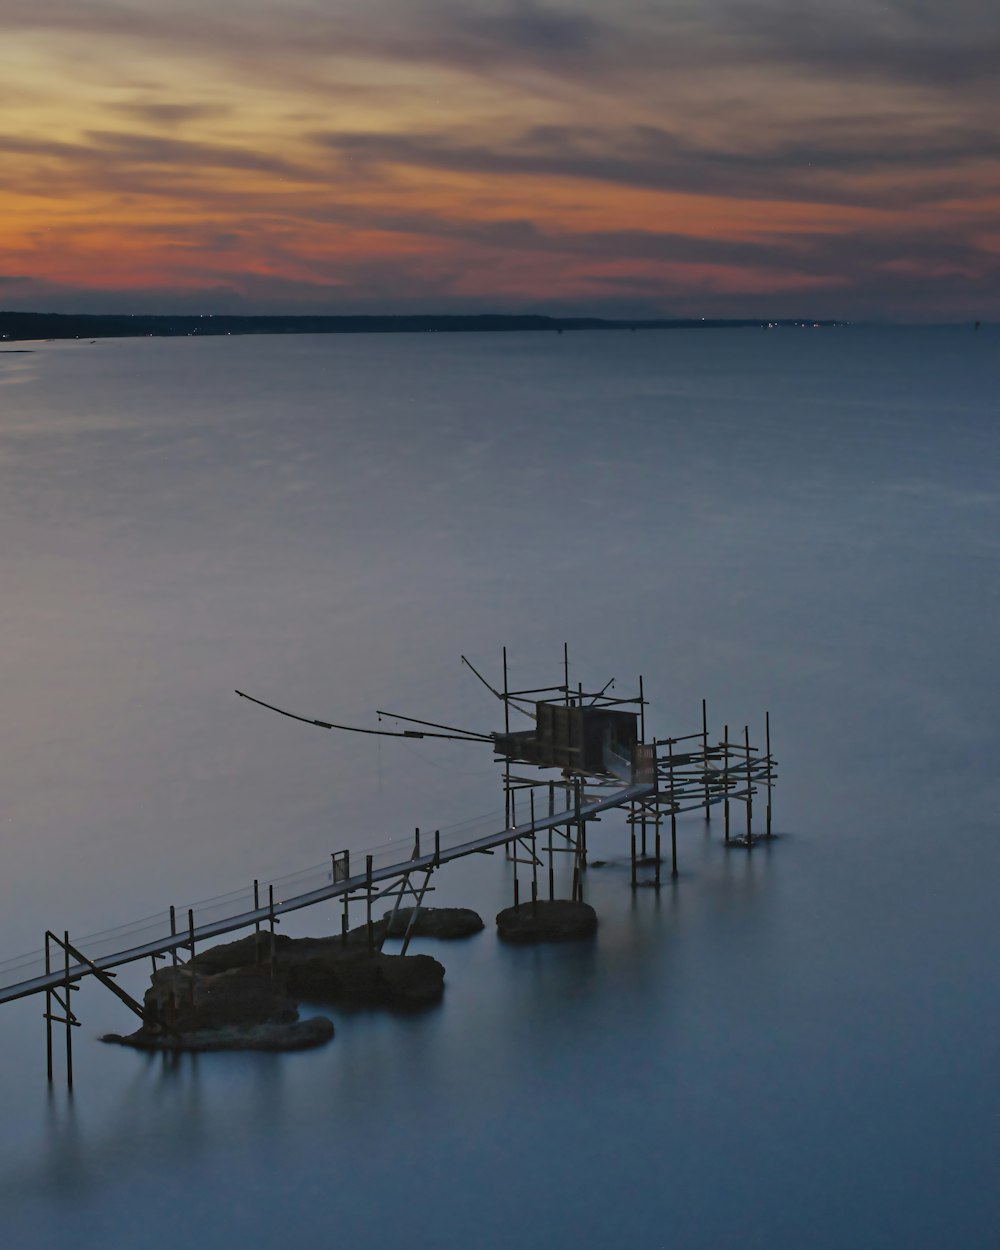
785 1048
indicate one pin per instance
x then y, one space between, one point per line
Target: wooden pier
597 743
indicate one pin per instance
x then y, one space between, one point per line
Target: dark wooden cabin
573 737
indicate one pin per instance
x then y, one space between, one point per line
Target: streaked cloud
505 152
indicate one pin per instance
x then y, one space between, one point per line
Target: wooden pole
369 860
746 739
69 1013
657 826
725 778
767 748
534 853
552 811
642 711
507 797
48 1008
704 748
173 933
581 846
191 947
673 844
270 921
673 812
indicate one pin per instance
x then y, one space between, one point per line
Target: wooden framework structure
596 741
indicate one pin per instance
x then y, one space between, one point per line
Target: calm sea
797 1048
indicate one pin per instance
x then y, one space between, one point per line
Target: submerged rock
236 1009
299 1035
547 920
434 922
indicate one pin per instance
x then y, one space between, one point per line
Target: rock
558 920
297 1035
326 970
238 1009
330 970
434 922
246 952
255 950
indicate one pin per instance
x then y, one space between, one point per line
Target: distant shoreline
21 326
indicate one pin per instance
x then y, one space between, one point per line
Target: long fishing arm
356 729
413 720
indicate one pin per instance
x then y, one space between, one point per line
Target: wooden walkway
441 853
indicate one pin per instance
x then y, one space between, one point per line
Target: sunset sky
642 158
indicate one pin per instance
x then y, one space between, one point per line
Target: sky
643 158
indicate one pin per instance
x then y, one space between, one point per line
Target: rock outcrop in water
547 920
434 922
331 970
238 1009
230 997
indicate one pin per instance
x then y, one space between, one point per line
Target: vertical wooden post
48 1008
437 848
673 811
173 933
566 672
657 848
69 1013
704 749
552 871
416 842
270 921
746 739
631 828
725 778
344 921
767 748
369 861
191 947
581 833
507 797
642 711
256 923
534 852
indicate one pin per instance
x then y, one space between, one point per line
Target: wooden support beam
105 978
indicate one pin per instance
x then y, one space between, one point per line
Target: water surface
795 1048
